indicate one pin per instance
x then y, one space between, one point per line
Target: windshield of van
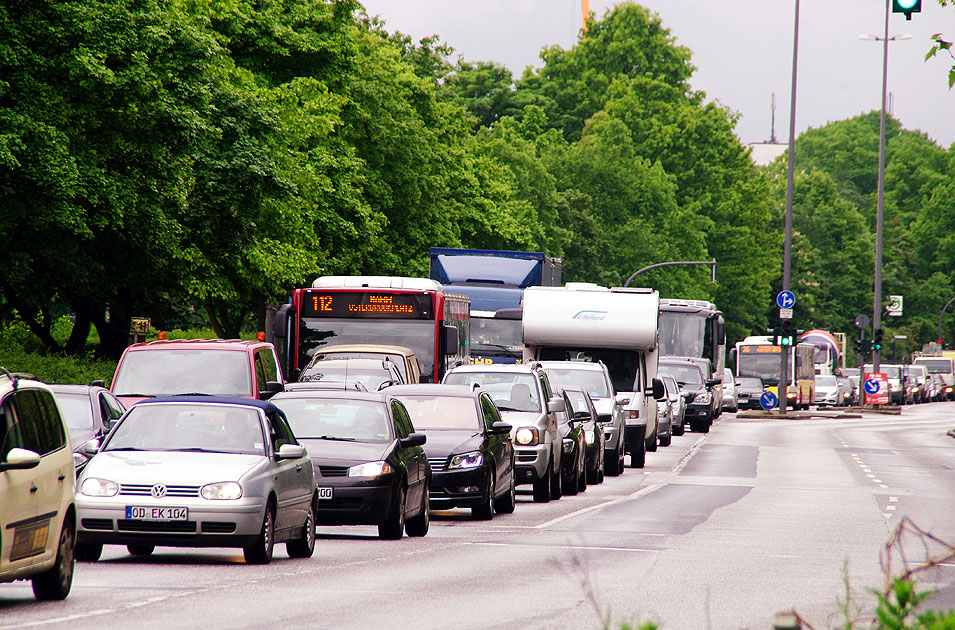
169 371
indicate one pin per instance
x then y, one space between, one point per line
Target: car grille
145 490
173 527
437 463
217 527
98 523
526 457
333 471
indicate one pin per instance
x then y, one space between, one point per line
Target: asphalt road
718 531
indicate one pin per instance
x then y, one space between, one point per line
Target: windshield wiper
333 438
126 448
138 395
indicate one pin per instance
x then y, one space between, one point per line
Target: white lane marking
46 622
686 457
876 480
887 515
636 495
882 485
573 547
893 499
890 508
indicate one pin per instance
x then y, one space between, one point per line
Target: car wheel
140 550
612 463
88 552
638 458
394 527
651 445
677 429
304 545
485 511
582 477
506 504
55 582
260 551
570 483
556 483
667 439
418 526
542 490
593 476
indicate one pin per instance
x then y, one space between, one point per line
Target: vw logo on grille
159 490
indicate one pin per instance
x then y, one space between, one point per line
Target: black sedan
748 391
90 412
369 465
469 447
585 413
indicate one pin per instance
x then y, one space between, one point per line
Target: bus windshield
489 334
682 334
415 334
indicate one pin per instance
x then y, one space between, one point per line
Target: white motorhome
619 326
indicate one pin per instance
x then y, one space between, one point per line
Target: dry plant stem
906 529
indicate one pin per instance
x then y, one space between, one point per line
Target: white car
827 391
730 400
37 516
199 471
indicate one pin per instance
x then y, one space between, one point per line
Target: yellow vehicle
757 356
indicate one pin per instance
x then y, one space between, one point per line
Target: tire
505 504
542 490
651 446
88 552
593 476
638 458
304 546
667 439
418 526
570 484
260 551
485 511
556 483
140 550
582 478
55 582
677 430
394 527
612 463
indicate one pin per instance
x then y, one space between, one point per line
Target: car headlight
913 389
527 436
94 487
371 469
224 490
466 460
703 397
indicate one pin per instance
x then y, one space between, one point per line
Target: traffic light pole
783 389
877 294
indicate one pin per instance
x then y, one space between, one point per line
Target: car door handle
33 488
299 468
61 477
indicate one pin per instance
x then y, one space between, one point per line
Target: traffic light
908 7
866 346
786 334
776 332
858 346
877 340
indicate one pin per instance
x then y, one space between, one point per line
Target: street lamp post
877 293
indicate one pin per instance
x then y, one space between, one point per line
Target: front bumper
458 488
530 462
102 520
698 411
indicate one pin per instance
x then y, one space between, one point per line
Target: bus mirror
450 339
732 355
281 319
720 331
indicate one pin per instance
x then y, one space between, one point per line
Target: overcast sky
742 50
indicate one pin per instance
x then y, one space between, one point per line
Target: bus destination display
365 304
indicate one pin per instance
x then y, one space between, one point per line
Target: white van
37 515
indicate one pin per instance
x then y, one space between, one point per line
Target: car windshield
348 371
189 427
397 359
510 391
168 371
335 418
593 381
936 366
749 382
683 373
825 381
77 410
442 412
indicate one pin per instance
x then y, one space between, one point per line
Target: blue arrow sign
785 299
871 386
768 400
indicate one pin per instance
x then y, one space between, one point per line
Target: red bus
413 312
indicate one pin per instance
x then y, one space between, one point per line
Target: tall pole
786 351
877 293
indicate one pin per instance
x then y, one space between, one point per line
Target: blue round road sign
871 386
768 400
785 299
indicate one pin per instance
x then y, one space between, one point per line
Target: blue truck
494 280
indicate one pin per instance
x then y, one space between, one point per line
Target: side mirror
271 389
281 319
382 385
556 405
720 331
98 383
290 451
90 448
450 339
659 391
20 459
415 439
711 383
294 374
621 400
500 428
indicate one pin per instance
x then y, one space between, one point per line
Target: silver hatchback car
198 471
